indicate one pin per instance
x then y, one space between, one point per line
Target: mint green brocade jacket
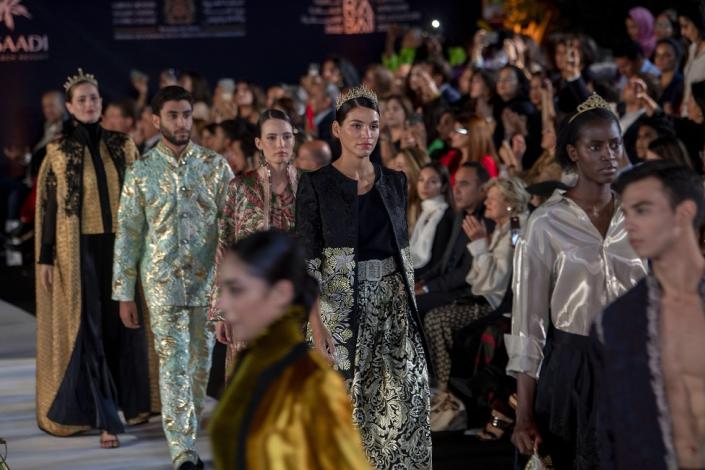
168 226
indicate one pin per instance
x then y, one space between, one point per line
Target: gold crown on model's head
355 92
594 101
80 78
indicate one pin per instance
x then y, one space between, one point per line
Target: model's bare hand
526 435
128 315
222 332
46 276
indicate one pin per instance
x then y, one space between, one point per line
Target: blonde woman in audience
489 278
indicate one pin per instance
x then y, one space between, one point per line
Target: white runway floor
143 447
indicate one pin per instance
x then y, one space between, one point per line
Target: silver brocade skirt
389 388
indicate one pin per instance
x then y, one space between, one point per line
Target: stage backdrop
266 41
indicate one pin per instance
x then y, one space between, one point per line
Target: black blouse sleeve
46 254
308 219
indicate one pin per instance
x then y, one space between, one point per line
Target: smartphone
514 230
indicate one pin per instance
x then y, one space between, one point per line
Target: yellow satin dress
285 408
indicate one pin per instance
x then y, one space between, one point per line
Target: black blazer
327 229
633 425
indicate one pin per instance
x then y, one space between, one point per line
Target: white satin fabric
565 273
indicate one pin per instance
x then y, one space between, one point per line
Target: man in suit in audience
445 282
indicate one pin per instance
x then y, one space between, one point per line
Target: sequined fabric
167 223
183 339
565 273
390 396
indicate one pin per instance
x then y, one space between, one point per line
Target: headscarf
645 22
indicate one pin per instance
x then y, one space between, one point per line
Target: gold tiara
594 101
80 78
355 92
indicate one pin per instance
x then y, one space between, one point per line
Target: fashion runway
29 448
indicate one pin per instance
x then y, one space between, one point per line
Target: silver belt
376 269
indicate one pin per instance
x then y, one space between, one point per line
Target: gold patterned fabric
183 339
285 408
59 310
390 397
167 223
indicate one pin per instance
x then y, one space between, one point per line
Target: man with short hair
313 155
649 342
445 282
171 203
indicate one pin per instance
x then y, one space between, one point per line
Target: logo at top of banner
9 9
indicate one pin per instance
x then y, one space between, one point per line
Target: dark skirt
565 408
108 368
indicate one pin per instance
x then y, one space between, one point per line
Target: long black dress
108 367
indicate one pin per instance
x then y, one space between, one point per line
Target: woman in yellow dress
285 407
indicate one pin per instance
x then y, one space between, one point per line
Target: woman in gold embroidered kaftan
88 364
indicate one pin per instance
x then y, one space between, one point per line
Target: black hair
571 128
211 127
446 188
660 123
629 49
170 93
268 114
679 183
275 256
671 148
481 172
360 102
694 10
243 131
522 82
348 72
675 45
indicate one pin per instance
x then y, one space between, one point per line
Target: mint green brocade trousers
183 340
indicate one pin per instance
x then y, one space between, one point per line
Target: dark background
276 48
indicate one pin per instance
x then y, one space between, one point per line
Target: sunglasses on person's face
461 131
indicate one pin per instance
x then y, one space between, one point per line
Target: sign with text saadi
19 40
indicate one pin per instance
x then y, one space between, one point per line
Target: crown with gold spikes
594 101
355 92
80 78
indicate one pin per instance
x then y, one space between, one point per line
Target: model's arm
309 234
530 317
129 240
